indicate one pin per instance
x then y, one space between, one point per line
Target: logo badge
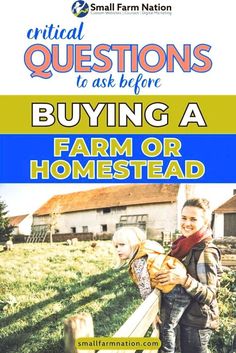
80 8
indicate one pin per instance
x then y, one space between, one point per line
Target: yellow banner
118 343
118 114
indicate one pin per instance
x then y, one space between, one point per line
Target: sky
27 198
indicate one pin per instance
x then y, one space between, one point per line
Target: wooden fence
136 326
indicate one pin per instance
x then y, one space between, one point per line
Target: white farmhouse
21 223
225 219
155 207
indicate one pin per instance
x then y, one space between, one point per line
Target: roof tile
112 196
16 220
228 206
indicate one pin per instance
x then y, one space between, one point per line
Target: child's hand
156 322
170 264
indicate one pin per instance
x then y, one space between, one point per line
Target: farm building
225 219
21 223
153 207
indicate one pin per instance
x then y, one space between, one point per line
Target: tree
53 221
5 227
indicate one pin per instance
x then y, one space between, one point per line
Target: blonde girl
146 259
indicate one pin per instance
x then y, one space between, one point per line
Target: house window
229 224
106 210
85 229
73 230
104 227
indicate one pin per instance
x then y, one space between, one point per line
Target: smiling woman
192 219
201 257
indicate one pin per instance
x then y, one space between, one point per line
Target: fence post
77 326
163 238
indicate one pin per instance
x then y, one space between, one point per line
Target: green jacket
204 270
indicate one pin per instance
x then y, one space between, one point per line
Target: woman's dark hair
200 203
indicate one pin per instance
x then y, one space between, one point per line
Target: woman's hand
167 277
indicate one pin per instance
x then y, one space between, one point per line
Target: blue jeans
173 306
194 340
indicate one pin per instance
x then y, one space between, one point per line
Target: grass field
41 285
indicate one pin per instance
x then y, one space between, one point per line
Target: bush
224 339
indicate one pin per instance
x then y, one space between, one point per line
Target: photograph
100 252
118 177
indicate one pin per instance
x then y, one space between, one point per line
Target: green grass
42 285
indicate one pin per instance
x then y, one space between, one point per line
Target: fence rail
137 325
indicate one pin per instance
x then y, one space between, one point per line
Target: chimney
189 191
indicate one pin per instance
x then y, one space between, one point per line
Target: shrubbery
5 227
224 340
